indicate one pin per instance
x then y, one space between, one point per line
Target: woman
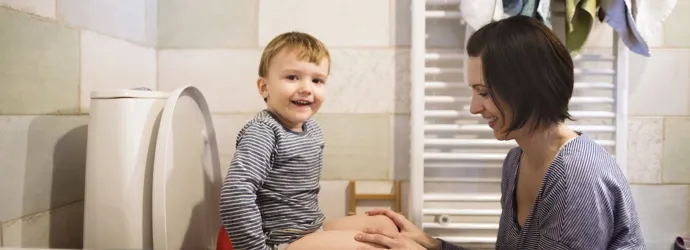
560 190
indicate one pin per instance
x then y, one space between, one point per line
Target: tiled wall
54 52
659 132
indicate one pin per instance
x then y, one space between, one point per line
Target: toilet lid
186 175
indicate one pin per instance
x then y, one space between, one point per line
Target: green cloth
580 16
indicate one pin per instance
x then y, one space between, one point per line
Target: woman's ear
261 86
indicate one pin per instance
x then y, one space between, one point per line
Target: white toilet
153 175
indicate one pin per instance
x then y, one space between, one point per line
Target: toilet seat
186 175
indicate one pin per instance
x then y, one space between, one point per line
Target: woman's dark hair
526 67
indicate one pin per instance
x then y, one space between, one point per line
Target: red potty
223 240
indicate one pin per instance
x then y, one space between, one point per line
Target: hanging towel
539 9
580 16
520 7
529 7
544 12
619 17
651 15
479 13
512 7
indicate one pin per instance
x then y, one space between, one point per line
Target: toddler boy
269 197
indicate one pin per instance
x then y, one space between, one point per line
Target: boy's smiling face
294 88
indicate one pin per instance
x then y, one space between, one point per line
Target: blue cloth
529 8
512 7
521 7
620 19
532 8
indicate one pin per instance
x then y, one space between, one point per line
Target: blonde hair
307 47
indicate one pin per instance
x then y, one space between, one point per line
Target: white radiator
455 160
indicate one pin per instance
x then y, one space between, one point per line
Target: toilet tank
122 134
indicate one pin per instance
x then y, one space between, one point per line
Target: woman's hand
390 240
408 229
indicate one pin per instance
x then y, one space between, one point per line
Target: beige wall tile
645 137
676 150
664 212
227 127
226 77
676 26
207 24
660 85
57 228
357 147
39 66
43 163
353 142
362 81
132 20
336 23
333 198
44 8
108 63
403 82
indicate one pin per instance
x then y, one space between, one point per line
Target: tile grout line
158 77
156 47
41 18
81 68
75 26
392 24
391 146
45 114
661 157
44 211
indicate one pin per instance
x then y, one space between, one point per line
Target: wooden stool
354 197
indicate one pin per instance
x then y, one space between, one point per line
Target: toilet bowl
153 175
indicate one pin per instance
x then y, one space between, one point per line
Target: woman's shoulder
586 152
592 190
511 161
584 161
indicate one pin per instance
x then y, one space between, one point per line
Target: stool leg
352 203
398 197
